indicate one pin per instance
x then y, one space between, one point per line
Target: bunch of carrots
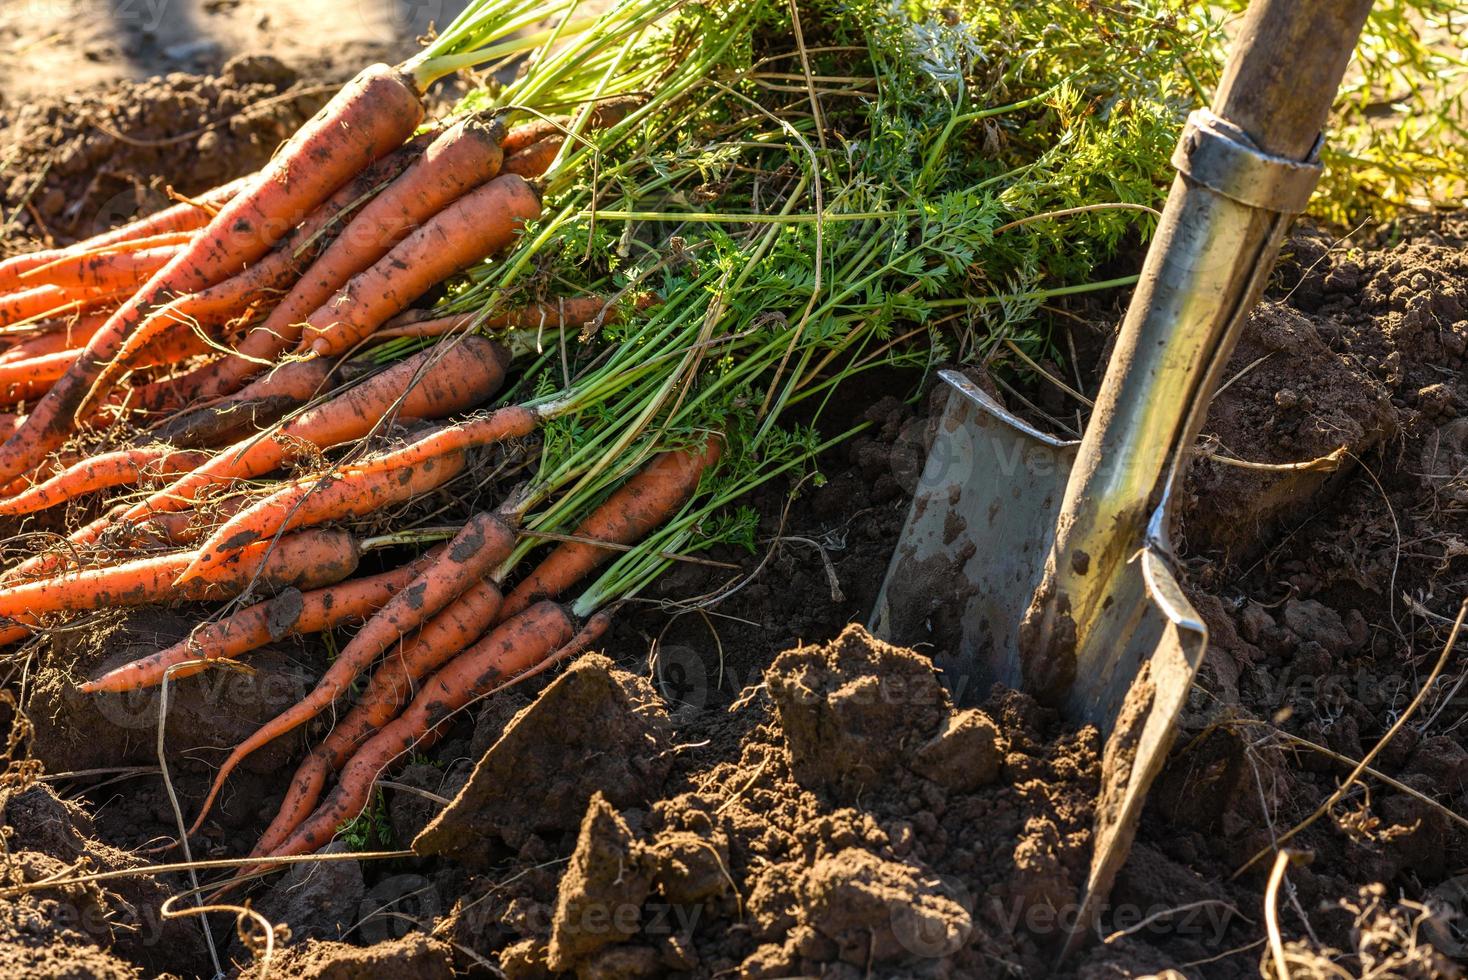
230 388
213 345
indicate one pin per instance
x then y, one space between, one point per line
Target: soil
755 787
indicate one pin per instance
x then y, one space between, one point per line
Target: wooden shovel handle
1286 65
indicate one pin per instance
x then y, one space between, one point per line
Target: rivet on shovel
1046 565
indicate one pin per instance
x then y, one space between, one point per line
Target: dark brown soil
80 164
857 822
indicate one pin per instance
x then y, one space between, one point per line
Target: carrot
604 114
272 275
105 270
183 527
54 336
372 114
483 543
186 216
336 496
21 376
376 479
310 558
475 226
633 510
538 634
575 311
464 156
291 613
258 405
425 385
38 302
119 468
441 638
535 159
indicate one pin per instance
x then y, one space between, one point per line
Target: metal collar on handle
1220 156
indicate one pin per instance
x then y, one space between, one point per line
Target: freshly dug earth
858 822
79 165
757 788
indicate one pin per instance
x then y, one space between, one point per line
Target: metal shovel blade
983 519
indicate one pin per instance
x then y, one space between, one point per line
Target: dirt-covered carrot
635 508
261 282
21 376
374 113
41 302
573 311
475 226
464 156
381 475
483 543
461 623
53 336
605 113
256 406
292 613
537 634
340 495
432 384
186 216
535 159
120 468
309 559
104 271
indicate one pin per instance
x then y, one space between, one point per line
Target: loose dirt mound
113 928
857 822
78 165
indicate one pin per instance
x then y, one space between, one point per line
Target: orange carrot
17 377
431 384
119 468
575 311
535 159
53 336
39 302
374 113
103 270
263 280
337 496
258 405
604 114
464 156
378 477
186 216
539 634
475 226
291 613
309 559
625 517
483 543
441 638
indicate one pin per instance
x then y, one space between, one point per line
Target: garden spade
1046 564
